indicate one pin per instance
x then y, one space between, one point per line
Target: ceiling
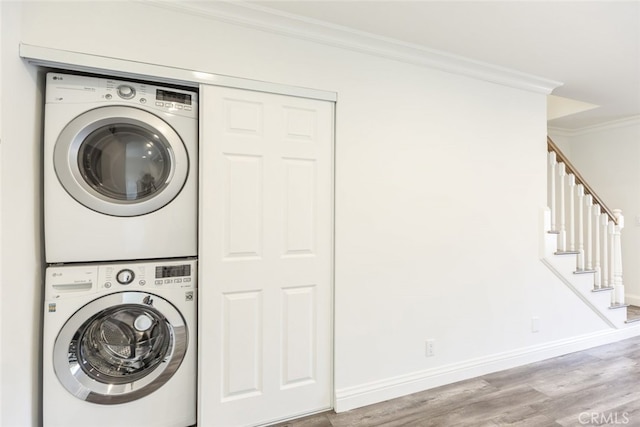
592 47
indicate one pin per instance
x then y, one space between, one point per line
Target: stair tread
566 253
604 288
584 271
618 305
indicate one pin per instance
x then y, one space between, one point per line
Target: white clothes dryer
120 170
119 344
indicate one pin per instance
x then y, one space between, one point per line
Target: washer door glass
121 161
120 347
122 344
125 162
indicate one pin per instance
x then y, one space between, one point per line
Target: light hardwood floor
599 386
633 313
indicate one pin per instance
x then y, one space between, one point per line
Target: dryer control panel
67 280
72 89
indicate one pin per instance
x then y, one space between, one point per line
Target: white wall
20 304
1 138
608 157
440 181
562 141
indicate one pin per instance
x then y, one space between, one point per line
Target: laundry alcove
265 239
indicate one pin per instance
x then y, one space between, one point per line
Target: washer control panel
175 274
71 89
67 280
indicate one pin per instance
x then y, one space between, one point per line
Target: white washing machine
119 344
120 170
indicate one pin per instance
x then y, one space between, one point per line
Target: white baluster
571 216
551 171
596 245
580 225
588 238
617 261
612 259
562 236
606 262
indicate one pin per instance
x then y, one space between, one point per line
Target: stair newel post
588 251
580 225
562 236
551 182
596 245
604 220
571 216
617 258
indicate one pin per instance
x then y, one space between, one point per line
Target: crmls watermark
604 418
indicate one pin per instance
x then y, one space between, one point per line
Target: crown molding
600 127
278 22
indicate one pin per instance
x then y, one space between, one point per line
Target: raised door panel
299 336
243 206
300 198
242 345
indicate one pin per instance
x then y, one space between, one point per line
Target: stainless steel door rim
98 376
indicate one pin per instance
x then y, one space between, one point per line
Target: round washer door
120 347
121 161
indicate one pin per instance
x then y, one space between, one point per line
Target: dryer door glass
121 161
120 347
125 162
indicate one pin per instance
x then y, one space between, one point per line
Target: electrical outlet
429 349
535 324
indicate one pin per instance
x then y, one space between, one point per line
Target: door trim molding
118 67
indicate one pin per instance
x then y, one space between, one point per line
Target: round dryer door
120 347
121 161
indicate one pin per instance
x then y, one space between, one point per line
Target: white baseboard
632 299
378 391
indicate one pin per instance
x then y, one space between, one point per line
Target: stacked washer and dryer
120 210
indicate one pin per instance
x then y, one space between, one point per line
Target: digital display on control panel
163 271
166 95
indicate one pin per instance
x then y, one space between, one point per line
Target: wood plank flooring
633 313
599 386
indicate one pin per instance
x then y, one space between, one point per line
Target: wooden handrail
552 147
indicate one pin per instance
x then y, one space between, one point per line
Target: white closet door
266 238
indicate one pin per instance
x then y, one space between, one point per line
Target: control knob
124 277
126 91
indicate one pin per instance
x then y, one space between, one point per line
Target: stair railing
584 224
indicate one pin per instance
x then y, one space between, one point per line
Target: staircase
582 244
